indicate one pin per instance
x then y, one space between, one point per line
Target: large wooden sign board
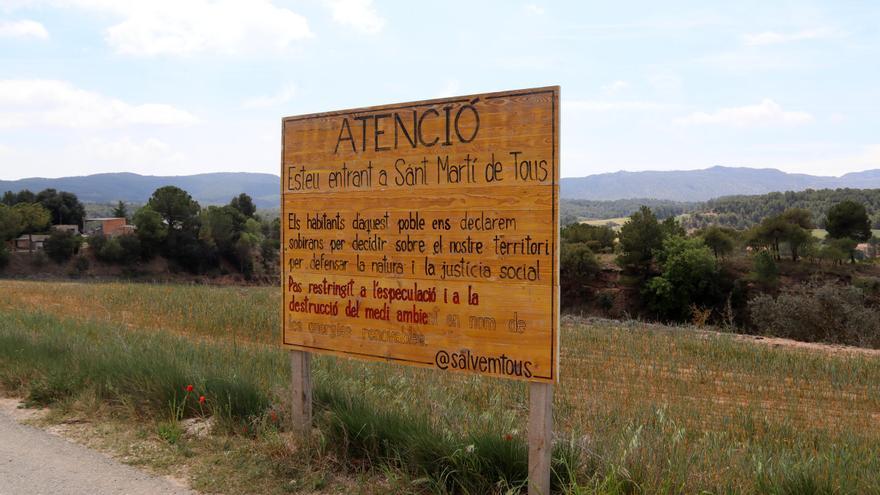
426 233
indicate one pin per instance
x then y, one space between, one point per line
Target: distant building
73 229
109 227
30 242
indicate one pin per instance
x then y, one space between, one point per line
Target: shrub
831 314
4 255
61 245
111 251
766 272
131 248
577 264
80 266
689 277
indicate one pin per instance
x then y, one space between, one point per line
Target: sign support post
540 437
427 234
301 391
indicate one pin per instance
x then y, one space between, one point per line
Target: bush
4 255
831 314
80 266
61 245
95 243
111 251
689 278
766 272
577 264
131 248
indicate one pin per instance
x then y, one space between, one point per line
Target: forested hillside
745 211
739 212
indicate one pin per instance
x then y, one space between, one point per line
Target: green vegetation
640 409
573 211
62 245
640 237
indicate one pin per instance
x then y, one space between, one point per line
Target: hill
706 184
213 188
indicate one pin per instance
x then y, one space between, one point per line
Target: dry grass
650 409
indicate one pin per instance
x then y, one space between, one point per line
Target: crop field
641 409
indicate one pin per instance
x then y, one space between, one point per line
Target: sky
176 87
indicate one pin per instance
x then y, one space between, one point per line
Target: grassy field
640 408
617 222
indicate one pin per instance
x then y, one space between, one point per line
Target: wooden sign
426 233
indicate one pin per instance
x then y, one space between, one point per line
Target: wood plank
301 391
381 202
540 437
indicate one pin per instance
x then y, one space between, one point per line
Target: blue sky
167 87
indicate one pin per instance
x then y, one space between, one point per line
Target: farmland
640 408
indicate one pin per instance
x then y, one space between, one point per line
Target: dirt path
33 461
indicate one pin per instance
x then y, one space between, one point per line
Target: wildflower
273 416
201 399
508 437
189 388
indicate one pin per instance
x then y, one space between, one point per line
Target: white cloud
26 103
774 38
169 27
615 87
23 29
612 105
665 81
534 9
283 96
766 113
359 14
126 153
451 88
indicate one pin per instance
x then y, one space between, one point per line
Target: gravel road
34 462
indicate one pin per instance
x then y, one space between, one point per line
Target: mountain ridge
705 184
677 185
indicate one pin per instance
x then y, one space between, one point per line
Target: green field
822 233
640 409
616 222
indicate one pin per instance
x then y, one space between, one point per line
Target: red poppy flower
273 416
508 437
189 388
201 399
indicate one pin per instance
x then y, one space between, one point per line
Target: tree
719 240
597 237
639 237
120 211
577 264
62 245
798 239
766 271
150 230
176 207
837 250
848 219
770 233
670 227
34 218
222 226
64 207
11 223
24 196
689 277
244 204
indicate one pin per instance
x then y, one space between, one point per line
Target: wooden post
540 437
301 391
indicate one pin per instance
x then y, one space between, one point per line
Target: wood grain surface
426 233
